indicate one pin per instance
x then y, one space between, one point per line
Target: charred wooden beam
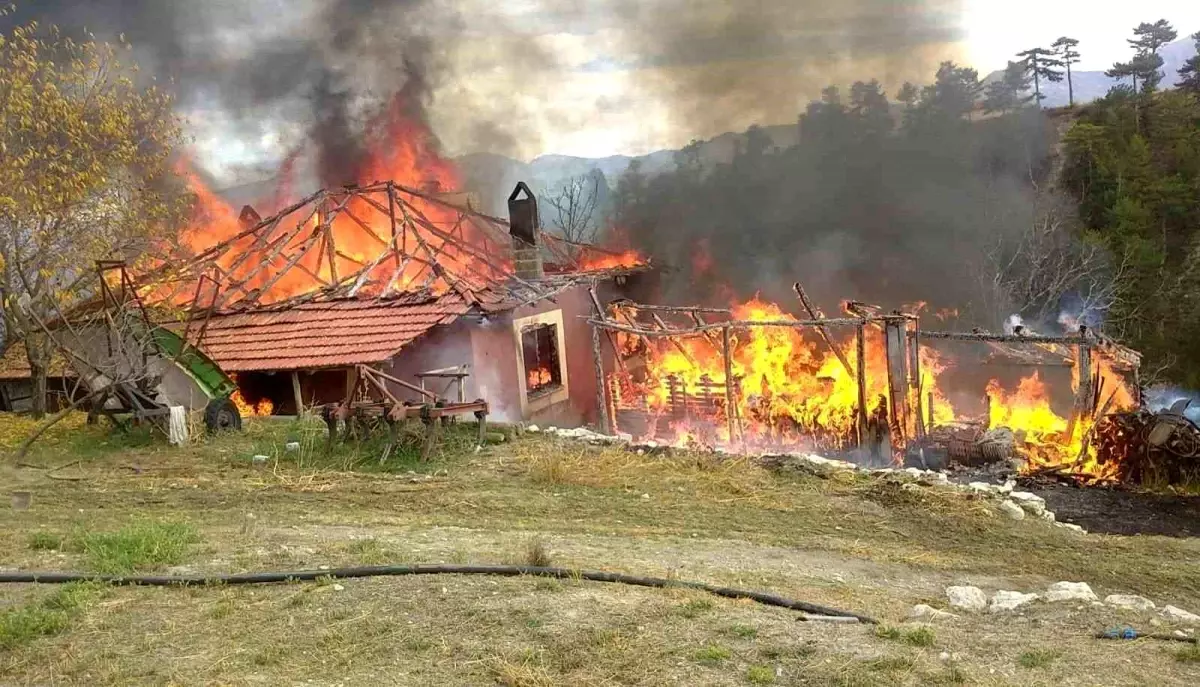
735 324
674 342
731 408
602 419
812 312
861 379
1003 338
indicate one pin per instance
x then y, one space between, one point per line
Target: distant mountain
1091 86
494 176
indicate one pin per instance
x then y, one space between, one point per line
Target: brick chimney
524 225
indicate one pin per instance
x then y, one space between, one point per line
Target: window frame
550 396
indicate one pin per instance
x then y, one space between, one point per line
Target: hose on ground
429 569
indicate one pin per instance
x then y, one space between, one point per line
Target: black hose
391 570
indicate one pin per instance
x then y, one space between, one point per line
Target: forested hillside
1133 165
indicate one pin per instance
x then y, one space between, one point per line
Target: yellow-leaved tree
85 175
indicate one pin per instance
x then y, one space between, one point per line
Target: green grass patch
760 675
45 541
888 632
892 664
696 607
137 546
1188 654
712 654
364 448
51 615
743 631
1038 658
917 636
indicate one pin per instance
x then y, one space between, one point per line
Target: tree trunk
1070 88
37 352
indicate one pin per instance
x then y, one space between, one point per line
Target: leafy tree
84 175
1068 55
869 104
908 94
947 103
1009 92
1040 64
1189 73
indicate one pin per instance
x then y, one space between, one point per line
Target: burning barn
875 387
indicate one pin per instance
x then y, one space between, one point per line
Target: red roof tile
329 334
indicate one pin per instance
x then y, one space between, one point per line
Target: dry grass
851 543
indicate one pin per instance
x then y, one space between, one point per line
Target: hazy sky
995 29
595 101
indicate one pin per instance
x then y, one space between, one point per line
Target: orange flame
599 261
789 387
263 408
406 155
791 390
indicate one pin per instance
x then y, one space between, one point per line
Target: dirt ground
868 545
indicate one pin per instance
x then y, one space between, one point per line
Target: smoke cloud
262 77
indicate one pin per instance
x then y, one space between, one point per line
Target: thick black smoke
723 65
325 66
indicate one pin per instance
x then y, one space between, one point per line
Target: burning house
383 290
442 301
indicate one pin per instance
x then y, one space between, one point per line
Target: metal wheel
220 415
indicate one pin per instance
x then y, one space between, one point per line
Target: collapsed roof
352 275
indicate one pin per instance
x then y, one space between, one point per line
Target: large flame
791 391
604 261
405 152
789 388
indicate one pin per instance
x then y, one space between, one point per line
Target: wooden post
731 410
916 381
1085 394
897 364
861 343
296 393
602 418
931 414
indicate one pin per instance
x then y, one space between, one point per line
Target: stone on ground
1070 591
927 612
1012 510
1032 503
967 598
1010 601
1131 602
1179 615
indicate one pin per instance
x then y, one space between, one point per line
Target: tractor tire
220 415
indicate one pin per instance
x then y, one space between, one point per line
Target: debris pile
1148 447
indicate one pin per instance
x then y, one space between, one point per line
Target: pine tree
908 95
1068 55
1148 40
1041 63
1189 74
1009 92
